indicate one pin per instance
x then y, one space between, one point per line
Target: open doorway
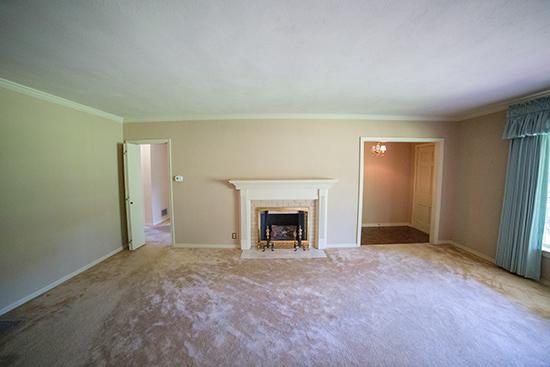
149 192
399 192
156 193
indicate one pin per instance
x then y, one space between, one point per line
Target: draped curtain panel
519 247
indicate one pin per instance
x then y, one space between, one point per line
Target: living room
63 122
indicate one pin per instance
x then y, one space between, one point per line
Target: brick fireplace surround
283 193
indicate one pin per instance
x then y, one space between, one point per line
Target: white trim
361 184
398 224
401 140
283 116
438 166
171 191
439 153
58 282
341 245
315 189
488 258
475 112
192 245
467 249
57 100
501 106
282 184
484 112
147 141
160 221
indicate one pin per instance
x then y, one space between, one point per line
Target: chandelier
378 149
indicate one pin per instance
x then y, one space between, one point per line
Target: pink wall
388 184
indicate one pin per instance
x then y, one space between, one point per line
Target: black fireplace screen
283 226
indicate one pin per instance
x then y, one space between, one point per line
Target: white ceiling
185 59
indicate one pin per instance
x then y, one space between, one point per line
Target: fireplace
283 228
294 194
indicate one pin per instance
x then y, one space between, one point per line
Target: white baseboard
485 257
57 282
397 224
161 220
341 245
467 249
192 245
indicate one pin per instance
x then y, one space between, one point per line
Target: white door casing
423 187
134 196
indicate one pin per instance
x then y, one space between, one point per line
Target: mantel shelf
323 183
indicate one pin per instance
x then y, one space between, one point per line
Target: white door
423 187
134 196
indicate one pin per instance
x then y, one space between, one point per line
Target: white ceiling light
378 149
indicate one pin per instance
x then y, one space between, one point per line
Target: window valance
528 119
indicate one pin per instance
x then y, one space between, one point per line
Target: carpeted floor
398 305
283 253
159 235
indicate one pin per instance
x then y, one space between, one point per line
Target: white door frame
169 145
438 180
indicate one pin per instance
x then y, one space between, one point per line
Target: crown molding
282 116
503 105
57 100
492 108
486 110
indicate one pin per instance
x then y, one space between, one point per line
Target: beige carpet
159 234
283 253
398 305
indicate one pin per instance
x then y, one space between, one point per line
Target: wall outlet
234 236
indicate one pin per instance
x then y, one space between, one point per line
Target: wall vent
164 212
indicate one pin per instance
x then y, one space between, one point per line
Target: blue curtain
519 247
528 119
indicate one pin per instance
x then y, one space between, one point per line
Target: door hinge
127 198
130 242
125 152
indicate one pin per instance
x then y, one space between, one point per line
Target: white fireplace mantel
316 189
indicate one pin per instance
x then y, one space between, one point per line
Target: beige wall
156 187
59 192
545 270
145 156
482 158
387 184
209 153
159 182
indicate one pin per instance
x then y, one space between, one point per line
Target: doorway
156 193
398 187
149 192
